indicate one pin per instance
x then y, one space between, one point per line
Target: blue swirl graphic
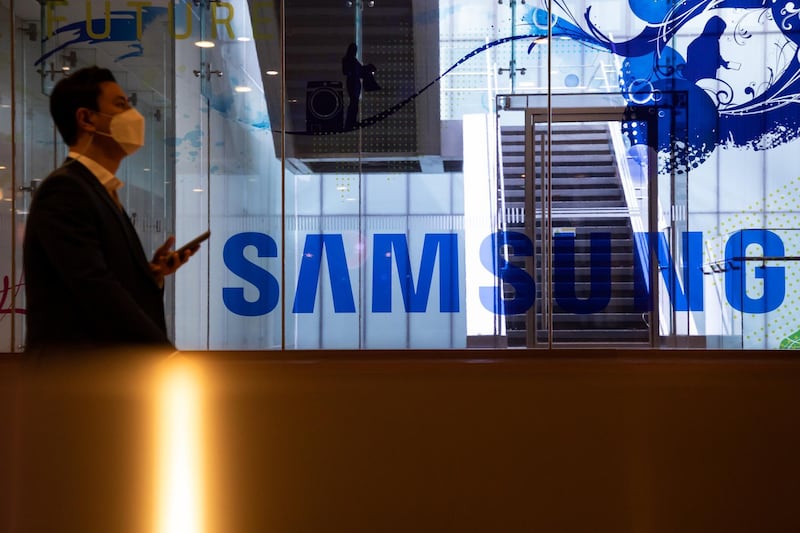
123 30
768 116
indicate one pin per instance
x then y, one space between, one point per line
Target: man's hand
166 261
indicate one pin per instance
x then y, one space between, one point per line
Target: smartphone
194 243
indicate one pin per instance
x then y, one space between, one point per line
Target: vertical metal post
513 63
13 347
547 231
359 27
359 30
283 101
652 229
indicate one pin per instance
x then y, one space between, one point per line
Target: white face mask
127 128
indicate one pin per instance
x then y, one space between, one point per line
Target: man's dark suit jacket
87 279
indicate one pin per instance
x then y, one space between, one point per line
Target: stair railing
638 220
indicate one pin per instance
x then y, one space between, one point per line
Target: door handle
32 187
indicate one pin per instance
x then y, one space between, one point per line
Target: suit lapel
134 244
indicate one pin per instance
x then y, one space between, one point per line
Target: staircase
586 198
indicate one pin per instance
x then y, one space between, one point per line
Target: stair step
617 304
615 206
582 194
622 299
609 320
564 181
567 195
587 224
616 335
581 171
584 203
612 225
583 247
621 260
573 138
617 259
585 232
560 140
598 154
563 148
559 126
518 338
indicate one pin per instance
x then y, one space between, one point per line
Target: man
88 282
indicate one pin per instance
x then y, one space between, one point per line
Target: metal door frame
538 115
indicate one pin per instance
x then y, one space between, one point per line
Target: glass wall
437 174
8 223
46 41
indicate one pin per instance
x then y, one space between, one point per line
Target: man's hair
79 89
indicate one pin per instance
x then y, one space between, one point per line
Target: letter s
493 259
237 263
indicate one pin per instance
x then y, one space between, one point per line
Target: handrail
723 265
767 258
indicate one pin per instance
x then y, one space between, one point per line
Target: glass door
34 146
228 176
46 48
590 191
195 73
612 258
10 304
675 248
759 272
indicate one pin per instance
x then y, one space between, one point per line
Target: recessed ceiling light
197 190
204 44
243 39
242 89
272 73
3 167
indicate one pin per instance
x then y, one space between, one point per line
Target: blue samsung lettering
685 296
311 269
773 276
685 291
564 286
266 284
415 296
492 256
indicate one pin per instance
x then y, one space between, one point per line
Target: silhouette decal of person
703 57
354 72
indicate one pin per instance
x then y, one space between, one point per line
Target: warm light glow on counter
179 472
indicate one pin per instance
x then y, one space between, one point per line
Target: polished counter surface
400 442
